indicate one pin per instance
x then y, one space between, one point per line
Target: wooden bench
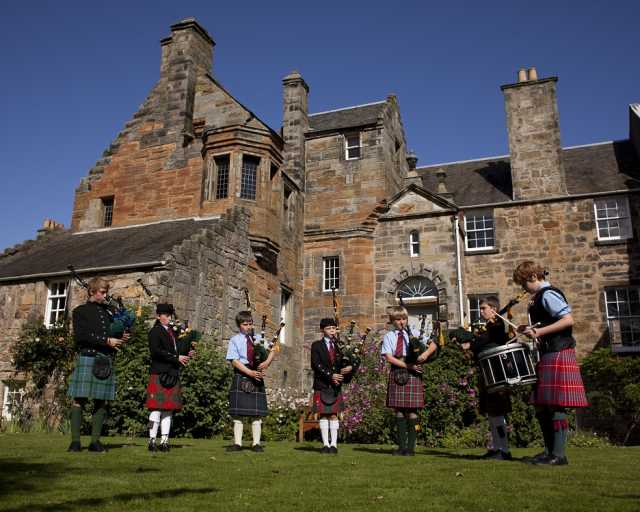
308 421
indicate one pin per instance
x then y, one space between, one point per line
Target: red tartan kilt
559 381
320 407
409 396
161 398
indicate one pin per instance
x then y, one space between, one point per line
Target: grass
37 475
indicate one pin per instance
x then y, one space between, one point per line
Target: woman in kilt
559 385
93 376
247 396
327 381
164 394
405 392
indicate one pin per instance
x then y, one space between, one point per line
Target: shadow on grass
308 449
20 476
116 446
88 503
377 451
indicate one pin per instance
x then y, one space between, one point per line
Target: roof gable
416 201
349 117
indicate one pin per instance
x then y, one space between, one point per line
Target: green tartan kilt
83 384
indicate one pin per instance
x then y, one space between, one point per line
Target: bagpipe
349 349
417 345
122 318
262 348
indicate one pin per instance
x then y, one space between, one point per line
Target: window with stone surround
286 308
107 211
56 303
474 307
479 230
249 177
414 243
330 273
11 398
613 221
352 146
623 318
221 167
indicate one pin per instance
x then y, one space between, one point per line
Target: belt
91 352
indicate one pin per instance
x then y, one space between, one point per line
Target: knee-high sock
154 423
545 418
499 433
237 432
165 425
76 422
256 431
402 432
333 427
411 434
560 429
324 430
98 420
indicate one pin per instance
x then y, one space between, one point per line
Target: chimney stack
534 137
295 122
48 226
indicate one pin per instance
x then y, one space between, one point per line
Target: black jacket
322 367
91 322
493 337
164 354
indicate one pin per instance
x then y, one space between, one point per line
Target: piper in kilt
328 378
494 405
164 394
247 396
93 376
405 392
559 385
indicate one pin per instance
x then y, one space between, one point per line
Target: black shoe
409 453
325 449
152 447
164 446
536 458
257 448
97 447
553 460
503 455
74 447
398 452
333 450
490 454
233 448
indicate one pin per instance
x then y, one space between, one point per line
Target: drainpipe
456 228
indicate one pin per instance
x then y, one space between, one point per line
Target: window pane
222 176
249 177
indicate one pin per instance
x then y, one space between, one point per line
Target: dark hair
491 301
328 322
242 317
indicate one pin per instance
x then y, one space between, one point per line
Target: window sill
618 241
493 250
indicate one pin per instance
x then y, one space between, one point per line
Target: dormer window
352 146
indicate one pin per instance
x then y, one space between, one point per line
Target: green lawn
36 474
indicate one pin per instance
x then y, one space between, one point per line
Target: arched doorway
420 297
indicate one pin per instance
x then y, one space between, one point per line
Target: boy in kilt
93 376
247 396
164 394
328 378
405 392
494 405
559 385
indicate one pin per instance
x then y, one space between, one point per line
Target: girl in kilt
93 376
328 401
247 396
559 385
164 394
405 392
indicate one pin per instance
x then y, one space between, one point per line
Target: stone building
200 199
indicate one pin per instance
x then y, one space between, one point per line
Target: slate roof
350 117
588 169
118 247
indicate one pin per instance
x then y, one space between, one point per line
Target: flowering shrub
285 406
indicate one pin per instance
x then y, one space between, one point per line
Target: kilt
83 384
494 404
242 403
409 396
161 398
320 407
559 381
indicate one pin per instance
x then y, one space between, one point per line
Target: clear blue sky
73 72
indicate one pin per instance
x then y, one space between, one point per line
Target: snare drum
507 366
